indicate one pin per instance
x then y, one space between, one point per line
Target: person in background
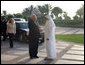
11 31
3 28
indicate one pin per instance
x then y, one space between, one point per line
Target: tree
76 18
9 16
5 13
45 8
27 11
66 17
18 15
60 18
48 8
80 12
56 11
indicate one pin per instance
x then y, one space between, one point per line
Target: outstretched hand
41 29
27 33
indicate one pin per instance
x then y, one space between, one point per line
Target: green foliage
45 8
18 15
66 17
56 11
27 11
80 12
75 17
69 23
5 13
78 19
9 16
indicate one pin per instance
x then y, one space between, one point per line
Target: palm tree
80 12
27 11
56 11
66 17
45 8
75 18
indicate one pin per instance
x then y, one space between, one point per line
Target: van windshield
18 19
23 25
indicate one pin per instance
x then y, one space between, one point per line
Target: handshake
41 29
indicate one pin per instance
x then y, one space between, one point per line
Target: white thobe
50 44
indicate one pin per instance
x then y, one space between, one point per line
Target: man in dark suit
3 28
34 35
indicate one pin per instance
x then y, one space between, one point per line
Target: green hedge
69 23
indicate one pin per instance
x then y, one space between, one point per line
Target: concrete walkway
67 53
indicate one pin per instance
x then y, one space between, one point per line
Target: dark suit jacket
3 26
33 30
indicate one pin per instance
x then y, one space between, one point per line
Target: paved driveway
69 30
67 53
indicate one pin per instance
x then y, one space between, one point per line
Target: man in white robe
50 38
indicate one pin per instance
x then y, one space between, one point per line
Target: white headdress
50 20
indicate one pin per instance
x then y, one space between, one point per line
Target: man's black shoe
36 57
4 39
11 47
31 57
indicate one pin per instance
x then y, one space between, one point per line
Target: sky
18 6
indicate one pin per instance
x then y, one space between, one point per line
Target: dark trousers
11 36
33 47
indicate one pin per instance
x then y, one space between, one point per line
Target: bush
69 23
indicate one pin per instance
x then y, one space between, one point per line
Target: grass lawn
76 38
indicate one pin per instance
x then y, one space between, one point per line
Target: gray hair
34 16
